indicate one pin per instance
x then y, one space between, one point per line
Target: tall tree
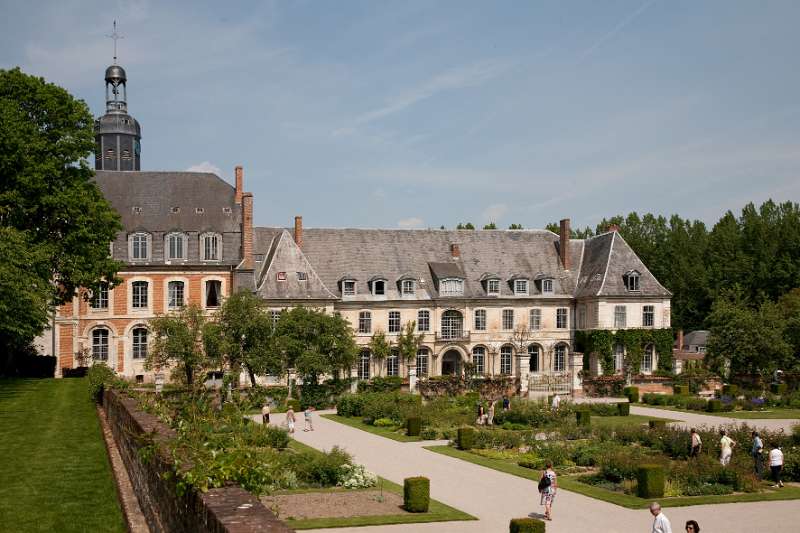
490 225
178 339
379 348
409 342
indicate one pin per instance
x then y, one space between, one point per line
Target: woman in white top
726 445
776 465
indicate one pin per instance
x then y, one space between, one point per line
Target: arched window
479 359
100 344
363 365
364 322
647 359
139 343
533 358
452 325
505 360
560 358
393 363
422 362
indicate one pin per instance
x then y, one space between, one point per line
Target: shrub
294 404
497 439
778 388
356 477
680 390
632 393
624 409
350 405
99 376
697 404
604 409
324 468
381 384
260 435
657 424
429 434
529 463
583 418
413 426
466 437
730 390
714 406
384 423
526 525
416 494
650 479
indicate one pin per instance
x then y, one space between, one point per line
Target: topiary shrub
730 390
680 390
778 388
584 418
714 406
624 409
416 494
526 525
632 393
657 424
466 438
650 480
99 375
413 426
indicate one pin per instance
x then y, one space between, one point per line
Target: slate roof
696 338
286 257
156 193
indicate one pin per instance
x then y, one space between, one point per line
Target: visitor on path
696 444
506 403
548 484
726 446
757 451
290 419
490 416
309 423
481 415
265 414
660 522
556 403
776 465
692 527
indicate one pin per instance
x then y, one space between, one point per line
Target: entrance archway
451 363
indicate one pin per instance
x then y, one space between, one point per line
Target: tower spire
115 37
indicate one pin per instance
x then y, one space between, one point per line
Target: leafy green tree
515 226
178 339
462 225
47 194
379 347
574 233
409 342
490 225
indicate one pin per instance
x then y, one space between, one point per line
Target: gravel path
697 419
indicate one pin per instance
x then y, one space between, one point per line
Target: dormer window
451 287
379 287
349 287
280 276
632 280
175 246
140 247
408 287
493 287
521 287
302 276
547 286
211 247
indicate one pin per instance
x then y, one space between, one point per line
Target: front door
451 363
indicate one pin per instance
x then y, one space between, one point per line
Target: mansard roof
156 193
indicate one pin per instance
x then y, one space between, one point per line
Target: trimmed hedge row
526 525
624 409
466 438
632 393
413 426
650 481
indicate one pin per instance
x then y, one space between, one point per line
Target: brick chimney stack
239 172
680 340
298 231
563 243
455 251
613 228
247 230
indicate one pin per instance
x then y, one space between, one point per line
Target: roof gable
287 258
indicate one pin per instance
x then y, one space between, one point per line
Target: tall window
479 359
423 320
100 297
175 294
211 247
493 287
213 293
364 322
451 287
647 359
505 360
619 357
379 287
139 294
100 345
139 343
363 365
560 358
139 249
349 287
452 324
175 246
547 286
561 318
408 287
620 313
535 319
520 286
581 316
422 362
632 281
648 315
508 319
480 320
393 363
533 358
394 321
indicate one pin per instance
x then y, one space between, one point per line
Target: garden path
495 497
697 419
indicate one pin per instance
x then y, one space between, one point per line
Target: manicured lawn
772 413
630 420
54 466
437 512
570 483
383 432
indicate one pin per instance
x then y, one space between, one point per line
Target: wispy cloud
616 29
205 166
411 223
495 212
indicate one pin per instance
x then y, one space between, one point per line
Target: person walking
726 446
756 452
692 527
265 414
556 403
548 485
309 423
696 444
506 403
490 416
660 522
290 419
776 465
481 415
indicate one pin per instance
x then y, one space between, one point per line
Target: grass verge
356 422
571 483
55 468
630 420
770 414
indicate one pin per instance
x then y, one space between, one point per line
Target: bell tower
117 135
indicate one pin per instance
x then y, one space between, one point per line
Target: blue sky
418 114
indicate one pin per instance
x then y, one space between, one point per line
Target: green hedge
715 406
416 494
778 388
650 480
657 424
632 393
526 525
680 390
413 426
466 438
584 418
294 404
730 390
624 409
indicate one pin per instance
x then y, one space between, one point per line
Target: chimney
298 231
613 227
680 340
455 251
239 172
247 230
563 243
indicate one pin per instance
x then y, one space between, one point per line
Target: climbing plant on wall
602 341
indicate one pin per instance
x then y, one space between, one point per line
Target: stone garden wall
140 438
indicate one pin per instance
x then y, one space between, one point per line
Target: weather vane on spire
115 36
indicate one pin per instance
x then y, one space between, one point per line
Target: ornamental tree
178 339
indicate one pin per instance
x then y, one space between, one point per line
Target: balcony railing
452 335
